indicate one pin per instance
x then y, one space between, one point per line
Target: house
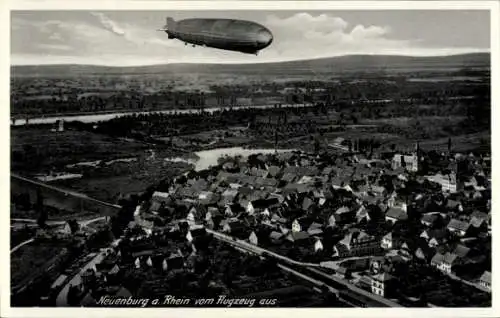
315 229
233 209
408 162
191 216
276 237
435 237
299 188
445 262
173 261
196 232
278 196
406 250
262 183
391 241
395 214
318 245
343 272
208 198
212 212
253 238
454 206
461 251
305 180
229 196
357 264
289 177
450 260
365 282
158 200
274 171
298 237
70 227
260 205
374 265
358 243
88 278
344 215
301 224
448 182
485 280
234 226
479 215
430 219
457 227
383 284
420 250
362 214
423 253
141 257
327 171
307 204
61 279
278 219
478 223
250 221
378 191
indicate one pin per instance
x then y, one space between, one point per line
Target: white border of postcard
7 311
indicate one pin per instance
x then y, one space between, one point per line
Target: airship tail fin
171 24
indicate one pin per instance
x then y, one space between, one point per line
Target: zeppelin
225 34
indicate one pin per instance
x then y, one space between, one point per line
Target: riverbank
106 115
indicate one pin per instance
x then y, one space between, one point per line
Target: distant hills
331 65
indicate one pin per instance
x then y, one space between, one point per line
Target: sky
125 38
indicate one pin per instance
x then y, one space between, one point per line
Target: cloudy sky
129 37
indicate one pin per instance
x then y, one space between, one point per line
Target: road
258 250
307 266
81 222
64 191
32 222
21 245
62 298
481 288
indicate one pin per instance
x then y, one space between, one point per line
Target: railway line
311 272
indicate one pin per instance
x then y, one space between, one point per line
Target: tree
73 225
39 208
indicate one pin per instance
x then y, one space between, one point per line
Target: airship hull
226 34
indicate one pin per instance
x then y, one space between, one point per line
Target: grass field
27 261
42 151
135 179
406 121
60 148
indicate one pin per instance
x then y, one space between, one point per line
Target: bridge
60 198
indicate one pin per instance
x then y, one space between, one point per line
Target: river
207 158
94 118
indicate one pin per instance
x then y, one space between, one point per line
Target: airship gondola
225 34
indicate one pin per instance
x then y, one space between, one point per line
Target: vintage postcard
249 158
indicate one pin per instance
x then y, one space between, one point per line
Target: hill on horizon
329 65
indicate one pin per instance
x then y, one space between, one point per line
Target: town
413 228
366 187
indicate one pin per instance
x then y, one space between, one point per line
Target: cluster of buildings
347 212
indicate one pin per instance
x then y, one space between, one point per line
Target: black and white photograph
284 157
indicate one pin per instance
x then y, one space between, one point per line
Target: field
30 260
38 148
132 179
37 151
